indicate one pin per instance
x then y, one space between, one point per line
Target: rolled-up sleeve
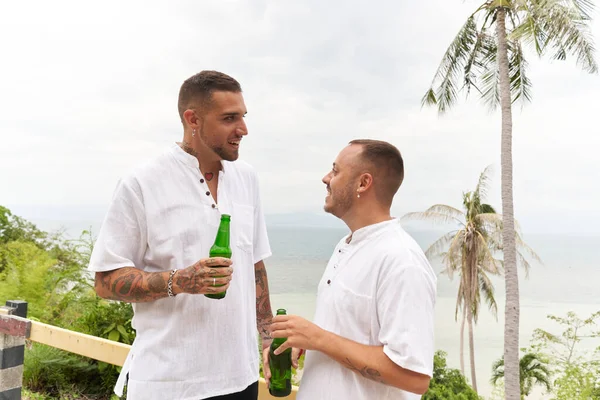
122 238
261 246
405 309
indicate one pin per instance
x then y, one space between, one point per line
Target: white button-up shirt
163 217
377 290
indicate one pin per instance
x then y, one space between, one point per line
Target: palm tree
532 371
487 54
469 251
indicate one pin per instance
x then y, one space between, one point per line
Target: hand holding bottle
207 276
300 333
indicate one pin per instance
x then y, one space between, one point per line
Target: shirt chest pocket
353 313
242 226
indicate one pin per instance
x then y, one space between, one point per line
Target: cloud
89 91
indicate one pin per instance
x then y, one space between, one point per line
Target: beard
340 201
227 154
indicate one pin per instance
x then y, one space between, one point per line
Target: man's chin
229 156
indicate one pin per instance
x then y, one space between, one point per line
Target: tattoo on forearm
264 314
365 371
133 286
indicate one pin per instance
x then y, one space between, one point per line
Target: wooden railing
15 328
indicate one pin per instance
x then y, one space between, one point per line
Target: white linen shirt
163 217
377 290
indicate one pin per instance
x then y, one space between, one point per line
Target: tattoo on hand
366 372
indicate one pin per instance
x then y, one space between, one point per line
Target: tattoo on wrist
366 372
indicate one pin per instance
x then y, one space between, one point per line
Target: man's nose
242 128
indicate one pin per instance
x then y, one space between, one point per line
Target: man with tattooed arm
372 336
152 251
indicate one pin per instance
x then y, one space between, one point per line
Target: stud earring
358 194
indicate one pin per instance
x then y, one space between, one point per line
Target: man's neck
366 216
207 160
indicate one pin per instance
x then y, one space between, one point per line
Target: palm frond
520 85
448 73
491 222
431 216
473 67
454 255
447 210
530 33
585 8
524 263
567 31
429 99
543 378
437 247
460 299
490 77
483 184
521 245
487 288
487 209
486 259
497 371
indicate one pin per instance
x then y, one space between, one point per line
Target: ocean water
566 281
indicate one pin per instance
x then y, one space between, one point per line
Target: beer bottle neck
222 239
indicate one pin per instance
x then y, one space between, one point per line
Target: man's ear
191 119
365 182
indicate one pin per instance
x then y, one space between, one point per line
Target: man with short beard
151 251
372 336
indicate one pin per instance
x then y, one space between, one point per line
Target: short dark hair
387 161
200 87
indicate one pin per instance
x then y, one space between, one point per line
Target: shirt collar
369 231
189 159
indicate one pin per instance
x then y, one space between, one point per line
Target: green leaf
114 335
123 332
110 328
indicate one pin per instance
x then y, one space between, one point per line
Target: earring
358 194
193 132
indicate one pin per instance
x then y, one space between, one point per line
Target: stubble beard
340 204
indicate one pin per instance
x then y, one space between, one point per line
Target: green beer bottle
280 384
221 248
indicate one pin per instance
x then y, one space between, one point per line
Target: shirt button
213 206
329 281
208 193
201 180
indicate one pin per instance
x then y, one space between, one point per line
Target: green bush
448 383
50 273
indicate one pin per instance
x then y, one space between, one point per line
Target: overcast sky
89 89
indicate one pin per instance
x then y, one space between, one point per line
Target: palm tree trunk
511 323
472 351
462 340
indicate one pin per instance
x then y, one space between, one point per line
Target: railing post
13 331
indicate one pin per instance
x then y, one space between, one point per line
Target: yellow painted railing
102 349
